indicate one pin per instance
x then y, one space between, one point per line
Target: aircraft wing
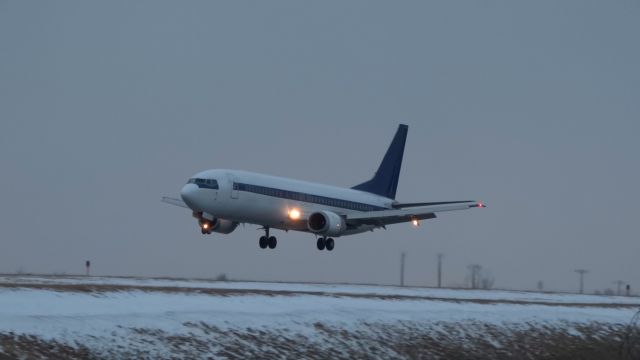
394 216
174 201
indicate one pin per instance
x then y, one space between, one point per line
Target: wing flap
408 205
394 216
389 220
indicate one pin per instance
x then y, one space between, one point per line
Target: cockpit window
204 183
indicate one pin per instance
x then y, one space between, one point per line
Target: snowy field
108 317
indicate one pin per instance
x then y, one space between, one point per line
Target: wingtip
479 204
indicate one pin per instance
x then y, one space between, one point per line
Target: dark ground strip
103 288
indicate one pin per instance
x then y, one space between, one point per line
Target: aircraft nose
188 194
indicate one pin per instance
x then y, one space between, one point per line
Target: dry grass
403 340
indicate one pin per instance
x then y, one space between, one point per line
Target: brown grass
403 340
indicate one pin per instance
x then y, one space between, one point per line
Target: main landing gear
325 243
267 241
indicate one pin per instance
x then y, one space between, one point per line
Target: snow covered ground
158 318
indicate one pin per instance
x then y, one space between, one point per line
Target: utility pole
475 275
402 256
619 284
440 270
581 272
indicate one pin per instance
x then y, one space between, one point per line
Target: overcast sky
532 107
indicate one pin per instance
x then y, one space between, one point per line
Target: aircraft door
233 186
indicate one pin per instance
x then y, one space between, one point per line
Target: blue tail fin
385 181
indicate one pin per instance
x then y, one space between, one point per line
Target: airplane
220 199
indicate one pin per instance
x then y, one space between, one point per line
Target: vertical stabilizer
385 181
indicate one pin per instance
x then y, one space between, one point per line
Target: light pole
402 256
440 270
475 275
581 272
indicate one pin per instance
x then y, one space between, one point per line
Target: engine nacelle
326 223
223 226
209 223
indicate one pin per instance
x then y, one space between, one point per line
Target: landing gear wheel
320 244
330 244
273 242
264 242
203 231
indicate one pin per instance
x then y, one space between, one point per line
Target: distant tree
222 277
486 282
540 285
479 278
619 284
608 292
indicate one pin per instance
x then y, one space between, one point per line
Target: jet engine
208 224
326 223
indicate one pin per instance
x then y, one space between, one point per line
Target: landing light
415 222
294 214
205 226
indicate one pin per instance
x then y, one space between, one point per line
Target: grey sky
532 107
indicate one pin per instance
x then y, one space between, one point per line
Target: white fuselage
247 197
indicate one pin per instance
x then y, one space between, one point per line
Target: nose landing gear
205 228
